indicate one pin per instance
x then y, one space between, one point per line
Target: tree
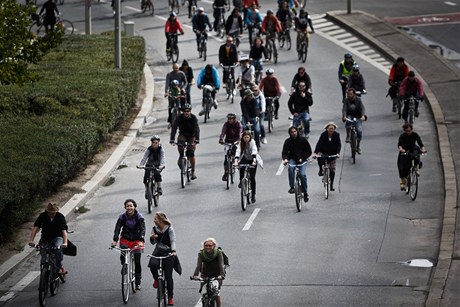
18 46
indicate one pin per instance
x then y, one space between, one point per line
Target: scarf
209 258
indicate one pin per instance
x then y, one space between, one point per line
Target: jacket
201 80
188 127
328 146
299 104
232 58
297 149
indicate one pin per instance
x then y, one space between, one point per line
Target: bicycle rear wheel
151 8
326 182
244 192
298 193
37 29
43 286
413 184
149 196
353 145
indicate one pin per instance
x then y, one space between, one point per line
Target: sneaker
170 301
193 176
305 198
201 113
225 177
416 113
347 140
124 269
160 191
332 188
253 199
276 115
320 173
358 150
291 191
264 141
215 104
394 109
155 284
239 185
138 287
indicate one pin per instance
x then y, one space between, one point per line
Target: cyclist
345 70
199 22
411 86
353 107
172 26
210 263
189 132
247 6
234 24
219 7
262 106
49 20
231 133
284 15
209 76
250 111
154 156
356 80
246 77
130 229
296 150
407 143
398 72
256 53
328 144
270 86
54 233
163 232
302 21
228 56
299 105
271 25
301 75
252 20
188 71
174 75
246 153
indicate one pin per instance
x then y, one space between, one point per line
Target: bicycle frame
298 192
185 166
245 184
49 274
353 138
208 298
162 291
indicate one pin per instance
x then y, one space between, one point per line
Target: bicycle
147 5
230 83
271 48
221 22
353 138
411 109
298 185
174 6
50 276
412 178
254 29
202 42
326 173
191 7
245 185
128 280
300 127
270 111
162 291
38 28
173 52
302 50
207 101
396 101
285 36
230 158
184 165
153 197
208 298
176 106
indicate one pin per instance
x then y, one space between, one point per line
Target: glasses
186 111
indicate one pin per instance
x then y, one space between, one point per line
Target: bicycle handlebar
159 257
150 168
272 98
325 156
117 248
230 66
244 165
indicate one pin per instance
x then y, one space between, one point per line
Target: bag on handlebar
70 250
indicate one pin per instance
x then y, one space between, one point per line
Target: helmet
172 14
200 9
175 82
356 67
244 58
269 12
330 124
302 11
187 106
348 55
269 71
156 137
231 115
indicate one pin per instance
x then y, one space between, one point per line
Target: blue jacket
258 17
215 78
199 22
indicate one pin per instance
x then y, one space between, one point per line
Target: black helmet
269 12
302 11
348 55
172 14
156 137
187 106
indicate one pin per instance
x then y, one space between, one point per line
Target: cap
200 9
247 92
244 57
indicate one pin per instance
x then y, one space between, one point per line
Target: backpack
226 263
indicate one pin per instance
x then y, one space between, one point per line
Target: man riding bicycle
353 107
174 75
219 9
246 77
398 72
50 18
299 105
253 20
208 76
408 151
329 145
228 56
189 132
301 75
230 134
270 86
250 111
199 22
154 156
234 24
296 150
302 21
284 15
356 80
411 86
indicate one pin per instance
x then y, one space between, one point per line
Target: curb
446 248
98 179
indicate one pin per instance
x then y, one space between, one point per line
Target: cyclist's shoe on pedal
63 271
124 270
155 284
347 140
170 301
320 173
160 191
193 175
253 199
215 104
358 150
201 113
305 198
264 140
291 191
332 188
239 185
403 184
225 177
138 287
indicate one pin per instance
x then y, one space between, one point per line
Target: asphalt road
347 250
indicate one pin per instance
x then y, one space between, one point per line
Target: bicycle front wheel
43 286
229 171
156 198
37 29
203 50
413 184
288 40
269 50
353 146
183 172
270 120
125 286
411 116
66 26
275 53
244 192
149 196
54 281
303 52
298 193
326 182
174 53
161 293
132 277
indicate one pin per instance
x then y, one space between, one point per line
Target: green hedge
50 129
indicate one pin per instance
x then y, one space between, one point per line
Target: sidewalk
442 88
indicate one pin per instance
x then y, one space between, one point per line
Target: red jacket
173 27
408 88
248 3
397 74
278 27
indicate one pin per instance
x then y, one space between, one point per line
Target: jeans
359 127
303 175
56 242
168 266
305 118
187 93
256 127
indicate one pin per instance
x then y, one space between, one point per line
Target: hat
329 124
200 9
52 208
247 92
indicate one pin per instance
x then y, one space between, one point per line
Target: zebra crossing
336 34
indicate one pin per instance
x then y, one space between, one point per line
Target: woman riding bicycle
163 232
328 144
246 153
130 229
210 263
408 150
154 156
256 53
231 133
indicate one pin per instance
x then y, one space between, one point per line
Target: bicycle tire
408 184
353 145
152 9
156 198
244 200
43 286
183 171
162 300
174 53
270 120
222 29
303 52
288 40
326 182
189 170
149 196
275 53
298 193
54 281
37 29
229 171
132 278
413 184
203 48
125 287
411 116
67 26
399 109
282 39
143 6
269 48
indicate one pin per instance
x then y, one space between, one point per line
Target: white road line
199 303
251 219
450 3
24 282
135 9
280 169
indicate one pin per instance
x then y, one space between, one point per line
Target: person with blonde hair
210 263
